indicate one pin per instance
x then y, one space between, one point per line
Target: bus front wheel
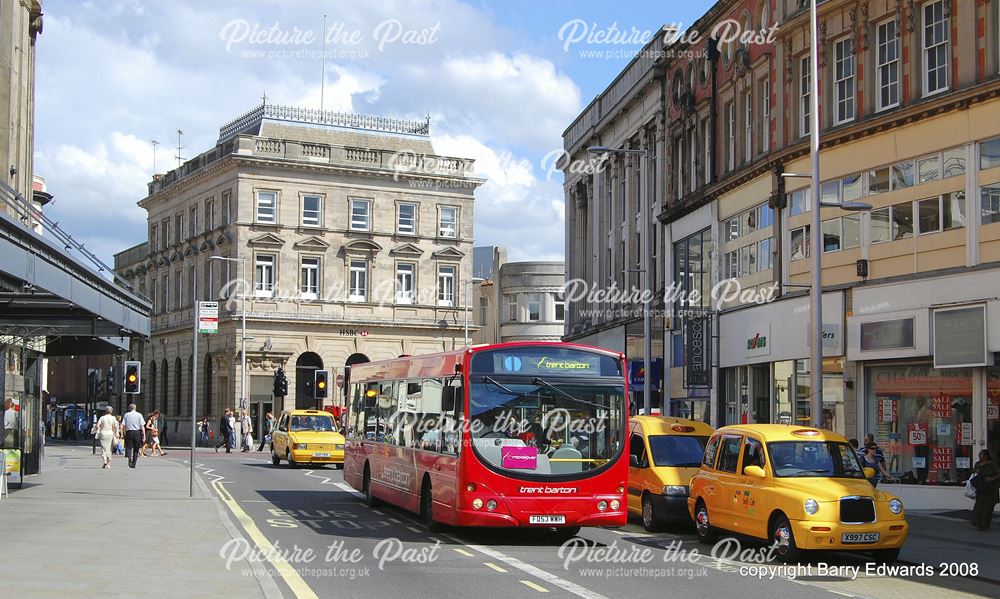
370 499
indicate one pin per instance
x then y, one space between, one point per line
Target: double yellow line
289 574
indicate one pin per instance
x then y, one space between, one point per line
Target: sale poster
886 410
916 433
942 458
965 434
941 406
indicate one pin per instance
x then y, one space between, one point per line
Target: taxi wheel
275 458
291 462
649 520
702 524
886 556
783 540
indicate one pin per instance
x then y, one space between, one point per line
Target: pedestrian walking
120 437
871 460
203 432
232 430
225 432
153 434
265 437
247 429
987 490
107 433
134 434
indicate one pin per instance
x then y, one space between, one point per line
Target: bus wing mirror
448 399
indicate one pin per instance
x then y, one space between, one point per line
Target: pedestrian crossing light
321 384
133 374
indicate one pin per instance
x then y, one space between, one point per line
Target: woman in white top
107 432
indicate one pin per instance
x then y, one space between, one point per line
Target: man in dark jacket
225 432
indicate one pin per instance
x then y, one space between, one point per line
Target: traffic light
110 386
321 384
133 374
280 383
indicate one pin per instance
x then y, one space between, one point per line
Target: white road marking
396 520
535 571
414 529
348 488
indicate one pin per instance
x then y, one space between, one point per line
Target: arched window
765 15
164 395
177 386
151 384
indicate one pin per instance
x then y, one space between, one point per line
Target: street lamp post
647 268
816 285
243 321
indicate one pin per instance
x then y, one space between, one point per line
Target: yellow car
801 488
307 437
664 453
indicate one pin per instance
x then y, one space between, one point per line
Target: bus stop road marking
291 577
462 552
494 567
414 529
566 585
532 585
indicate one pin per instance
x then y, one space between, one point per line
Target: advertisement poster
887 410
941 406
942 458
12 465
919 462
944 429
962 463
965 434
916 433
993 409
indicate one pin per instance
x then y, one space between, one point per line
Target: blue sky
499 82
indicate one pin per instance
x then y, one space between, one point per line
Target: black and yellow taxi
307 437
664 453
800 488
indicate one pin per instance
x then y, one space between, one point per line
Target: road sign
340 380
208 317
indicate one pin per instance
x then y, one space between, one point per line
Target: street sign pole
206 320
194 379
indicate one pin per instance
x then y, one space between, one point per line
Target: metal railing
323 117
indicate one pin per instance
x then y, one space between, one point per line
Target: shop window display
922 420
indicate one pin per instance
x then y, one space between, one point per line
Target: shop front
926 361
765 370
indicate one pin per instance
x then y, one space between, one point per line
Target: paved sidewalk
937 536
77 530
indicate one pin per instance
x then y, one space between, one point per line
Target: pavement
79 530
948 537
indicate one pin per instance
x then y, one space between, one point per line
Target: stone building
522 301
356 241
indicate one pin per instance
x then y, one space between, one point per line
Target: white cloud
113 76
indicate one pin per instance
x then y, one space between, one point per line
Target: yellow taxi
664 453
800 488
307 437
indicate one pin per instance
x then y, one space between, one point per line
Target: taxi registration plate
859 537
547 519
321 455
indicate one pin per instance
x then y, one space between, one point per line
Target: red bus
515 434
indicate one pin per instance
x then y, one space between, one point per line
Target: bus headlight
477 503
602 505
471 487
896 506
810 506
675 490
491 504
615 504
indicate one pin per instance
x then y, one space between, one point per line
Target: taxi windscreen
312 423
679 451
814 459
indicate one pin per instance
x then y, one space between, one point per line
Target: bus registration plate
547 519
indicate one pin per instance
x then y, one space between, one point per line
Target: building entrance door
258 412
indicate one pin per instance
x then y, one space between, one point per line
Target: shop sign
637 374
965 434
697 353
960 337
941 406
887 411
916 433
919 462
962 463
887 334
757 342
993 410
942 458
